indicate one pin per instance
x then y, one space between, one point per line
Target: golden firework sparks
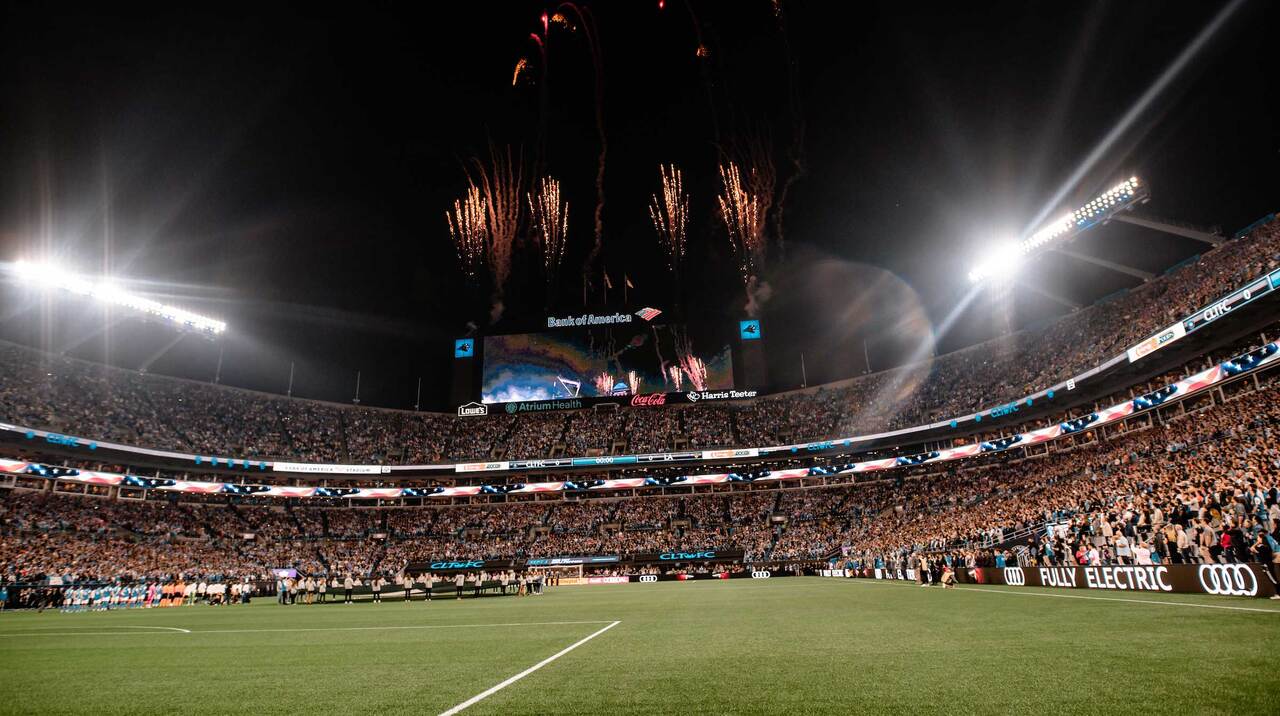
499 183
676 375
743 211
562 21
550 216
670 214
604 384
469 229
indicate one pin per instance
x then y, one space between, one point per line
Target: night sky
289 173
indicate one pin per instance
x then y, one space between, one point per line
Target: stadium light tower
1004 260
44 275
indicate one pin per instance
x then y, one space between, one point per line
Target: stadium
1039 472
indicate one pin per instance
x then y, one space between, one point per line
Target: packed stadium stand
98 402
1194 481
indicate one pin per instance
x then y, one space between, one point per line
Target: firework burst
603 384
550 215
560 20
691 366
696 370
521 65
670 214
633 382
469 229
587 22
743 210
676 376
499 183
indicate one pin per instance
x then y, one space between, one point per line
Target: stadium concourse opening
587 357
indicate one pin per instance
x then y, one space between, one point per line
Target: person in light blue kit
4 596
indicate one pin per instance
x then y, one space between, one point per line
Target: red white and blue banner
1251 361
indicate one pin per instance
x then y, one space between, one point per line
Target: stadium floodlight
1004 261
45 275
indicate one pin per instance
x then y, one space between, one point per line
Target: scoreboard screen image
601 361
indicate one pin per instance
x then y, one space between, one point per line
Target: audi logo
1015 576
1235 580
760 575
648 578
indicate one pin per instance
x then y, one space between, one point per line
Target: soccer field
797 645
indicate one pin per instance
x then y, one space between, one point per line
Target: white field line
289 631
498 687
896 583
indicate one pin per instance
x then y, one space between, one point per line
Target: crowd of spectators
1202 487
97 402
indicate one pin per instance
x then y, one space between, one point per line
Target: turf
800 645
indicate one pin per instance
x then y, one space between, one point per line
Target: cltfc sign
457 565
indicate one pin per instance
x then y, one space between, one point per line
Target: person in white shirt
458 580
1142 554
1122 549
348 585
322 586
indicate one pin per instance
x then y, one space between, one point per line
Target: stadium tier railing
1243 364
1263 287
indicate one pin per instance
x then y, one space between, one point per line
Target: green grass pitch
797 646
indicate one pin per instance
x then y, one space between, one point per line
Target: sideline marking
494 689
286 631
161 629
1078 596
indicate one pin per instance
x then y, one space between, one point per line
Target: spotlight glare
1002 262
1094 211
43 275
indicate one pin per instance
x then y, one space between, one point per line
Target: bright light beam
1135 111
1004 260
42 275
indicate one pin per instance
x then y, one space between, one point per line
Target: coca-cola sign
649 400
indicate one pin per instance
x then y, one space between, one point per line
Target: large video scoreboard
590 356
